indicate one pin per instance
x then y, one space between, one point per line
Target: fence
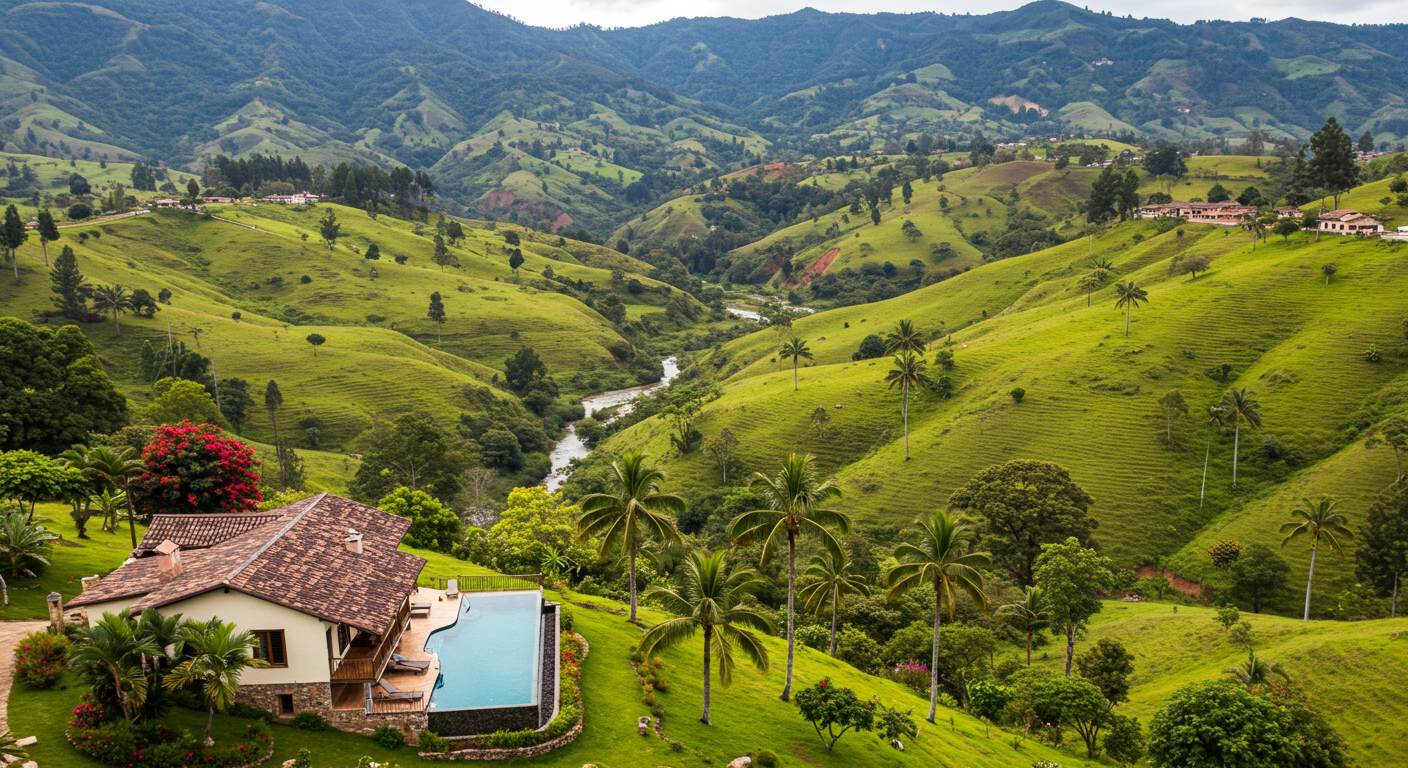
495 583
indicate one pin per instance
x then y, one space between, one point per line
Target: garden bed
114 741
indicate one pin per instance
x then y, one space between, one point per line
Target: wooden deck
412 646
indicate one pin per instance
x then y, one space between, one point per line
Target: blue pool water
489 656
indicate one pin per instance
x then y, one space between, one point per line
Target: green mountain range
593 126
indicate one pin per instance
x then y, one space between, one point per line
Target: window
271 647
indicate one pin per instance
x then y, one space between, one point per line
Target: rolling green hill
382 355
1092 395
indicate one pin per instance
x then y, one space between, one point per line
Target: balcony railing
495 583
369 666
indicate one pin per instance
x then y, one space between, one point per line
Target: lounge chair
452 588
420 610
391 692
400 663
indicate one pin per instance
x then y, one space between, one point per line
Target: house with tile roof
1343 221
321 584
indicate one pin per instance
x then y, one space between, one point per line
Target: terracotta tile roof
298 560
199 531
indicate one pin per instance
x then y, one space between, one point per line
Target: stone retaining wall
533 751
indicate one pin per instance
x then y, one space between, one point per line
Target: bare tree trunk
1126 320
45 244
131 516
794 374
708 638
1070 647
1029 646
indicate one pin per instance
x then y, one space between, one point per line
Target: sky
635 13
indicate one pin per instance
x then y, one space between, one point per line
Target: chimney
56 612
88 581
353 541
168 561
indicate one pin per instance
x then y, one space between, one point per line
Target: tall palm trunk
115 323
708 642
791 587
1203 490
832 652
633 583
1393 606
934 657
1126 320
1236 443
1314 545
794 374
209 721
904 409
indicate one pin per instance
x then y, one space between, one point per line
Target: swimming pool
489 657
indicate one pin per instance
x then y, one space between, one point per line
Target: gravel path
10 634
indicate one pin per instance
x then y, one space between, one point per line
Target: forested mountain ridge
602 124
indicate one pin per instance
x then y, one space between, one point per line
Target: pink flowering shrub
914 674
196 469
41 658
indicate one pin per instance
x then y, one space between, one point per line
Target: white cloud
633 13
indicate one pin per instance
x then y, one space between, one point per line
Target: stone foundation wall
317 697
411 724
307 697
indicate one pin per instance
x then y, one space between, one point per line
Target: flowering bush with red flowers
196 469
41 658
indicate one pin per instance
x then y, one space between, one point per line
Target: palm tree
218 656
1029 613
1318 520
834 580
111 648
796 349
1257 671
1239 405
165 632
1127 296
1217 418
117 468
796 506
940 560
1089 283
23 541
909 374
904 338
108 502
710 598
633 512
114 299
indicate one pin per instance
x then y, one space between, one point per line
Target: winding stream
571 447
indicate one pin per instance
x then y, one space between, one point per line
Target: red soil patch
562 220
772 170
804 278
1190 588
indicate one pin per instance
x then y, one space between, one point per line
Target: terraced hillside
1091 394
249 283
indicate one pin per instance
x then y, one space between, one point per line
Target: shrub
765 758
304 759
305 279
40 659
510 739
1017 394
431 742
814 636
388 737
1372 354
309 721
566 619
988 699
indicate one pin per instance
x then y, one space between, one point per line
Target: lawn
747 717
73 558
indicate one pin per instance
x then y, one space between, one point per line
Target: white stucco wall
305 637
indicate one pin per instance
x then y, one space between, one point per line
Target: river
571 447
